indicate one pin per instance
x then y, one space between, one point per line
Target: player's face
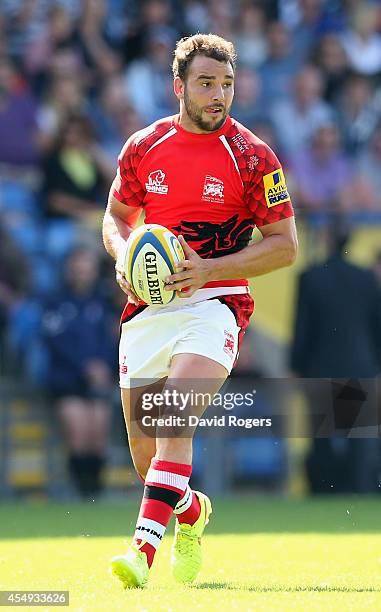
208 93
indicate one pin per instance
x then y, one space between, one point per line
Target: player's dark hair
209 45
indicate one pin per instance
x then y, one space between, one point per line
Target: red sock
188 508
165 483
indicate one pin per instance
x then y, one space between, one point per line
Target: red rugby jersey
211 188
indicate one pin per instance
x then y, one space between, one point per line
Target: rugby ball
151 255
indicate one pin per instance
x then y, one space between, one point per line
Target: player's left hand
192 273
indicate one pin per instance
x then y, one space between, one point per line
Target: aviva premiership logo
155 182
275 188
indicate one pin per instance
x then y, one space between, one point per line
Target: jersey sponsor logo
229 343
156 182
275 188
213 189
241 143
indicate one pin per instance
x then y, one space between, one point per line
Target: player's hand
121 276
126 287
192 273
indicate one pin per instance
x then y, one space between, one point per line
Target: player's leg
185 336
142 447
132 569
144 352
190 372
168 476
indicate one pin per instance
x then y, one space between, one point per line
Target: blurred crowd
77 78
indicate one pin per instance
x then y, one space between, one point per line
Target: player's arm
118 222
277 249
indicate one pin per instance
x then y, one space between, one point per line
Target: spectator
17 119
329 56
75 174
322 174
79 331
295 119
248 103
281 65
14 287
358 114
221 17
337 334
250 36
362 42
114 118
58 33
369 179
307 30
65 96
148 81
97 51
151 16
196 16
68 63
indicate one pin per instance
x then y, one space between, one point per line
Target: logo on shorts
275 188
213 189
155 182
123 367
229 344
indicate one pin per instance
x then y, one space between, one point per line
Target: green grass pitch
259 554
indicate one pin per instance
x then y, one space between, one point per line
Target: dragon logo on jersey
213 189
217 239
155 182
275 188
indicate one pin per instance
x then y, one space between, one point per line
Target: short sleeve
266 191
127 187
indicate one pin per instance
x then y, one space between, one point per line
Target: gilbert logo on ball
152 253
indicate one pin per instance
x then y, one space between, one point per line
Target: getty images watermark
261 407
176 409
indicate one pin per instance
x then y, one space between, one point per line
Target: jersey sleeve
127 188
266 192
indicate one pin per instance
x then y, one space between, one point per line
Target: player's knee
141 467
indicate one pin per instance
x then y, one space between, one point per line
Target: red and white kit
213 189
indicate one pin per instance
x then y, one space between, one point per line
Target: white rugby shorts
152 337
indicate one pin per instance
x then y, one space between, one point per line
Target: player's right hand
126 287
121 275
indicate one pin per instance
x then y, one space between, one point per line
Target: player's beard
195 115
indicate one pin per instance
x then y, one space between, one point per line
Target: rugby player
211 181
